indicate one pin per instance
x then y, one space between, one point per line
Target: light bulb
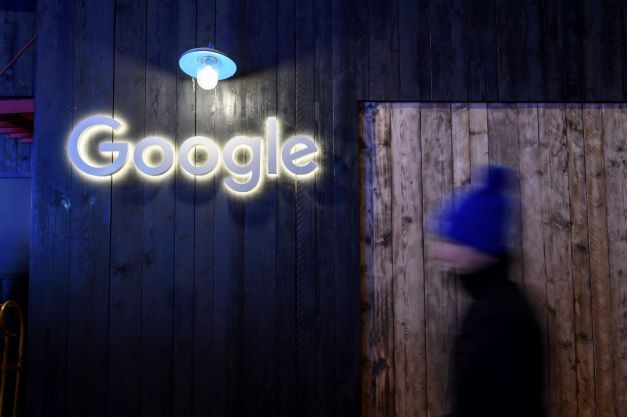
207 77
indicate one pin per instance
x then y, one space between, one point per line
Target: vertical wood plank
328 399
602 47
519 40
348 19
158 217
437 180
599 263
407 259
125 299
510 30
49 253
260 360
227 362
89 273
552 126
447 29
584 348
553 50
383 273
552 345
460 128
366 255
503 150
306 273
383 49
534 174
459 66
614 146
411 65
482 59
424 52
184 307
204 103
286 219
573 36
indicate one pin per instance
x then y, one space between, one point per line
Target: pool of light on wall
265 158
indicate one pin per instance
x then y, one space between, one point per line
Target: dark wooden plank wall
174 298
17 28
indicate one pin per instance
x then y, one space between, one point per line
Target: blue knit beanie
481 219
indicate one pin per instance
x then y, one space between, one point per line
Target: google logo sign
264 158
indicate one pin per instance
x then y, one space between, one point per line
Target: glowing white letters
296 154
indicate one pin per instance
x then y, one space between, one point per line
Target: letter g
75 141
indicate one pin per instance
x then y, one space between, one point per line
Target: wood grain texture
366 257
559 277
573 38
478 136
305 204
407 259
158 217
533 171
599 262
383 273
226 392
185 387
383 49
572 180
49 253
329 400
348 20
462 175
580 262
88 307
437 180
125 290
503 150
482 59
203 108
286 403
614 145
260 222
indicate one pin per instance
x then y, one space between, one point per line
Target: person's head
475 233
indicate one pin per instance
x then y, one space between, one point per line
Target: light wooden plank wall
571 246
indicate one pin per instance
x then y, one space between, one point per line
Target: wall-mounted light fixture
207 66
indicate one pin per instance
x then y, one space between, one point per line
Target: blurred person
498 356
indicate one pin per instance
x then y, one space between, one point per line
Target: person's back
498 355
498 352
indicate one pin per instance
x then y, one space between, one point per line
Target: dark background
174 298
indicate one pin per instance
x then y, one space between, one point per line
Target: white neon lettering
296 155
167 156
213 158
250 173
273 145
76 144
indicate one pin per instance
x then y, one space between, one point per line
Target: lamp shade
194 59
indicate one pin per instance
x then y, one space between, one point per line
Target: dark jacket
498 355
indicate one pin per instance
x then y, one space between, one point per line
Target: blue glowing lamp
207 66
